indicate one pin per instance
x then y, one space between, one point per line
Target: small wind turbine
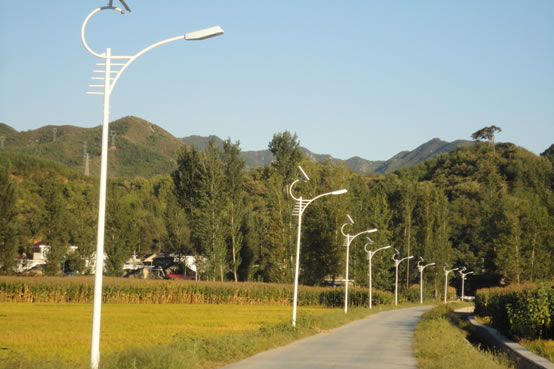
110 4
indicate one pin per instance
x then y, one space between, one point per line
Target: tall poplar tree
8 214
235 201
121 235
210 228
54 224
285 148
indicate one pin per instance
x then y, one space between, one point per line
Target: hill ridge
138 147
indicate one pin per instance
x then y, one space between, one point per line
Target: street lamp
300 206
369 257
420 268
463 279
446 281
110 78
396 264
347 241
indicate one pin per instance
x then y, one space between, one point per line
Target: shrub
524 311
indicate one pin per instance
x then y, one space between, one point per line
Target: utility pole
87 170
113 134
85 150
54 130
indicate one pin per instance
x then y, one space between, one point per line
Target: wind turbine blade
125 5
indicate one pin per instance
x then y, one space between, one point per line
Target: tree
120 233
486 133
433 232
54 224
409 190
235 201
83 228
210 212
549 153
286 150
177 237
188 178
321 246
8 215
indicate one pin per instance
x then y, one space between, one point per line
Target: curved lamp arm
366 231
337 192
406 258
133 58
371 253
448 271
421 267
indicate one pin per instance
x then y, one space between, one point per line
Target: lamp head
204 33
339 192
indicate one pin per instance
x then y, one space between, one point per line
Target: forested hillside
488 207
137 147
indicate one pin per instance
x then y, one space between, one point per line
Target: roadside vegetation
544 348
524 313
440 342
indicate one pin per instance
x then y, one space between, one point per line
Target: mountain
144 149
426 151
200 142
141 148
401 160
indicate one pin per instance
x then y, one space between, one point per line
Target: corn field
123 291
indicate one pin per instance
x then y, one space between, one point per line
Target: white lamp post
347 241
396 264
370 255
446 281
301 205
420 268
110 78
463 279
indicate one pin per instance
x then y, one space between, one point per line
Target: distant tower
54 130
2 139
113 133
87 170
85 148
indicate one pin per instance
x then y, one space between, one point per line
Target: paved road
380 341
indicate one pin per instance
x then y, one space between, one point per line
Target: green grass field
61 332
440 343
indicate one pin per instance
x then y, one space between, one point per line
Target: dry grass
62 331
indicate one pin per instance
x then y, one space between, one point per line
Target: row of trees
489 207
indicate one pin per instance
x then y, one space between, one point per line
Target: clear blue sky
353 77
